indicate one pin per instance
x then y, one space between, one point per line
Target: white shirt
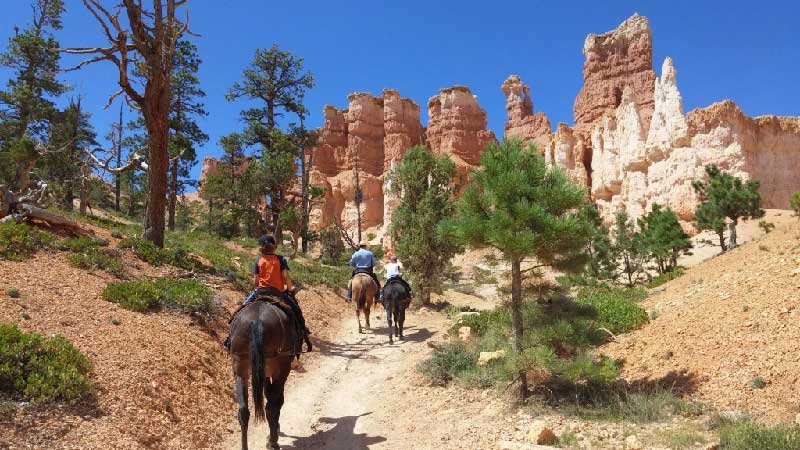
393 270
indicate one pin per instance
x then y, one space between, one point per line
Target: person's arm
352 260
255 273
287 279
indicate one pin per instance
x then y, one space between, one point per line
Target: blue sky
722 49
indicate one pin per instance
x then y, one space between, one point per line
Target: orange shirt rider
273 271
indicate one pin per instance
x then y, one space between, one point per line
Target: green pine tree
519 206
794 203
27 105
186 107
629 249
663 238
278 81
423 183
725 198
602 259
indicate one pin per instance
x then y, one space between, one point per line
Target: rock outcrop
457 127
622 57
368 137
632 144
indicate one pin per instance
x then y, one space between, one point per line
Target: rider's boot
227 344
348 295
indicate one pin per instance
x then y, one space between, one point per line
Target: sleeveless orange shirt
269 270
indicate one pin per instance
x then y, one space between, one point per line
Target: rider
271 272
363 261
394 273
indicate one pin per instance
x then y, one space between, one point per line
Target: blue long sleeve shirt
362 259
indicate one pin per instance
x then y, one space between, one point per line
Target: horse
364 290
263 337
396 299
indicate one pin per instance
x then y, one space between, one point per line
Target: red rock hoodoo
631 145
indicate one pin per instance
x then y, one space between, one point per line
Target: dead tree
149 46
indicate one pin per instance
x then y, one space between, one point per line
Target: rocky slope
163 378
719 328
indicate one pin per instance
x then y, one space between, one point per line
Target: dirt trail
362 393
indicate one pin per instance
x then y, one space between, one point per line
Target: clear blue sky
740 50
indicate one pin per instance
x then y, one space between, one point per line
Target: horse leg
366 314
358 317
389 319
244 412
275 402
401 318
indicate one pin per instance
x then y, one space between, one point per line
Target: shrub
40 369
313 273
18 240
14 293
758 383
145 295
137 295
747 435
97 259
765 226
794 203
152 254
446 362
616 308
81 244
665 277
483 276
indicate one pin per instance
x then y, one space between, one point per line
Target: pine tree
519 206
602 259
663 238
726 198
629 249
794 203
423 184
279 80
69 170
27 105
186 107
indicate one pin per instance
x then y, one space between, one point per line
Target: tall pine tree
521 207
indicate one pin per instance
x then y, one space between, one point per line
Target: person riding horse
363 261
394 274
271 276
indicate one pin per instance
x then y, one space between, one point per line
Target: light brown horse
364 290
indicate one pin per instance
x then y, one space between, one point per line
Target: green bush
616 308
446 362
14 293
665 277
145 295
748 435
18 240
81 244
96 259
794 203
41 369
314 273
152 254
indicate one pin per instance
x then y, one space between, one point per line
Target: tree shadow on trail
335 434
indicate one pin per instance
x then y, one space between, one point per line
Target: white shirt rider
393 269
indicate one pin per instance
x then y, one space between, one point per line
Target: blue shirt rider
363 261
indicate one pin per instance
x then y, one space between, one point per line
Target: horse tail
257 368
362 298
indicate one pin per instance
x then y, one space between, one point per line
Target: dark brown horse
263 341
396 300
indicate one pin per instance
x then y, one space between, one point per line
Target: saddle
269 295
276 298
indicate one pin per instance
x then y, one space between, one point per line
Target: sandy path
349 397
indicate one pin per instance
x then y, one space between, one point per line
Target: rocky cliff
631 144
